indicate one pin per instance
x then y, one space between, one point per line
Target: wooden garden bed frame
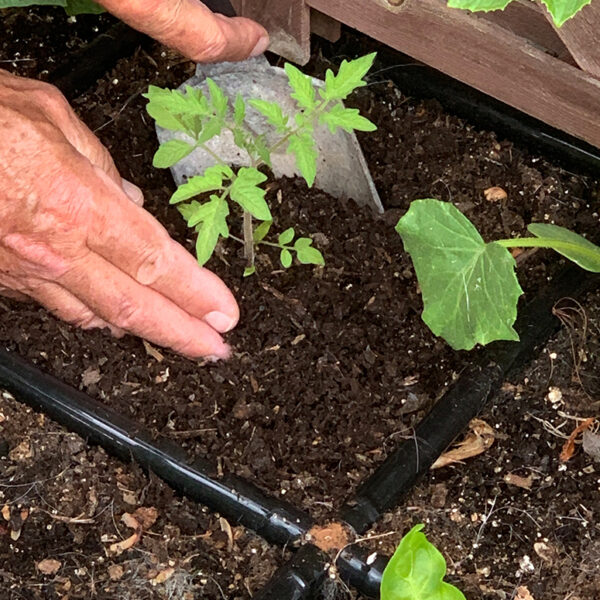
516 55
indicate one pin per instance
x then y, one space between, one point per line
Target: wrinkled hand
192 29
74 237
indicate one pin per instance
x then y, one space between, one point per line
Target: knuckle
126 314
50 98
153 265
214 47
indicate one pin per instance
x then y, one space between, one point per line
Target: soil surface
331 370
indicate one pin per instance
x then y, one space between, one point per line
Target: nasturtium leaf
570 244
287 236
308 255
171 152
78 7
349 78
416 571
348 119
218 99
272 112
470 289
286 258
479 5
210 221
260 233
302 146
245 191
210 181
302 86
239 110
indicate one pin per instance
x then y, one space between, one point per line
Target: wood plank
528 20
581 37
325 26
287 21
489 58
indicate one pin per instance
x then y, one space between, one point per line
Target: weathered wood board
478 52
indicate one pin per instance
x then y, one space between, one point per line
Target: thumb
192 29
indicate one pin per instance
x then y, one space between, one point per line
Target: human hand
192 29
74 237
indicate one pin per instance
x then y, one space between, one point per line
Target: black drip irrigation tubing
241 500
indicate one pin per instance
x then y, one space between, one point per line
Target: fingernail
220 321
133 191
260 47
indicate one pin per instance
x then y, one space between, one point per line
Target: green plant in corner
561 10
417 571
469 287
201 117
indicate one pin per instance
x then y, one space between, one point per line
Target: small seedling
202 117
561 10
469 287
417 571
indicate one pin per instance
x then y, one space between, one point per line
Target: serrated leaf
239 111
286 258
416 571
218 99
210 221
210 181
469 288
348 78
348 119
261 232
563 10
287 236
260 145
248 195
211 129
302 86
170 153
303 147
272 112
570 244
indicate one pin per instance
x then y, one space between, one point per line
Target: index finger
136 243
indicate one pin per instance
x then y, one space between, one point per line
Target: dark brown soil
332 368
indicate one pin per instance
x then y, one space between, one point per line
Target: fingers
69 308
132 240
190 27
126 304
133 192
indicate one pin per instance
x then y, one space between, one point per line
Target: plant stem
248 239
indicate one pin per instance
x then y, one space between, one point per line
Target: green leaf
218 99
286 258
210 221
470 289
260 145
171 152
348 119
570 244
303 90
563 10
272 112
287 236
211 129
479 5
349 78
417 571
78 7
210 181
248 195
239 111
303 147
308 255
248 271
260 233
